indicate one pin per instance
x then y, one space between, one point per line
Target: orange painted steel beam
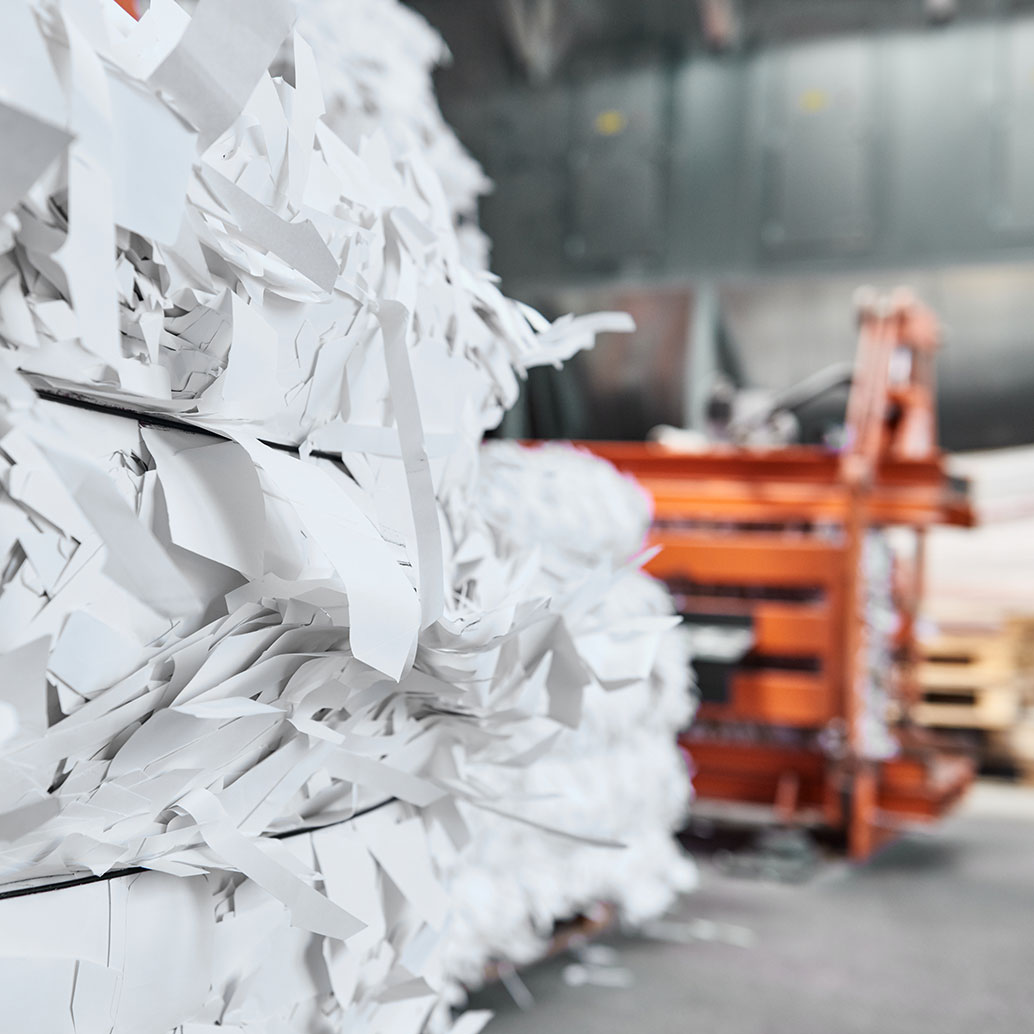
780 629
745 560
794 698
918 505
749 772
804 483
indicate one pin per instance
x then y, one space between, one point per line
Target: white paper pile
881 627
618 773
246 586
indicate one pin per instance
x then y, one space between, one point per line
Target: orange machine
773 540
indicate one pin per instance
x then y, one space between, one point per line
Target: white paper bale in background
618 775
577 507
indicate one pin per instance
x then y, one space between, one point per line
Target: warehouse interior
516 516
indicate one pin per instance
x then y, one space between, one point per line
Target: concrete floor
933 936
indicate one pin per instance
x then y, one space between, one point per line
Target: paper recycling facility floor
935 935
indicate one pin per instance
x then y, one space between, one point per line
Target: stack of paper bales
265 662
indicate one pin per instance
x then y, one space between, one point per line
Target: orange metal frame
778 534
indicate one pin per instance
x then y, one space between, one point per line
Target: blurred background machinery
807 664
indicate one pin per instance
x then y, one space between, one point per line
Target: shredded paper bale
286 664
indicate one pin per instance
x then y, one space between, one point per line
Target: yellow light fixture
611 122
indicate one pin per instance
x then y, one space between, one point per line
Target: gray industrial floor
933 936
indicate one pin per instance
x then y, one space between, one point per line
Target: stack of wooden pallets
980 677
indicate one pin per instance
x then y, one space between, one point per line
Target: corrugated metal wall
847 152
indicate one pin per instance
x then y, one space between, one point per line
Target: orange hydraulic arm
891 409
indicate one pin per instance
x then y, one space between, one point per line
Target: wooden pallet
966 661
989 707
974 677
995 647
